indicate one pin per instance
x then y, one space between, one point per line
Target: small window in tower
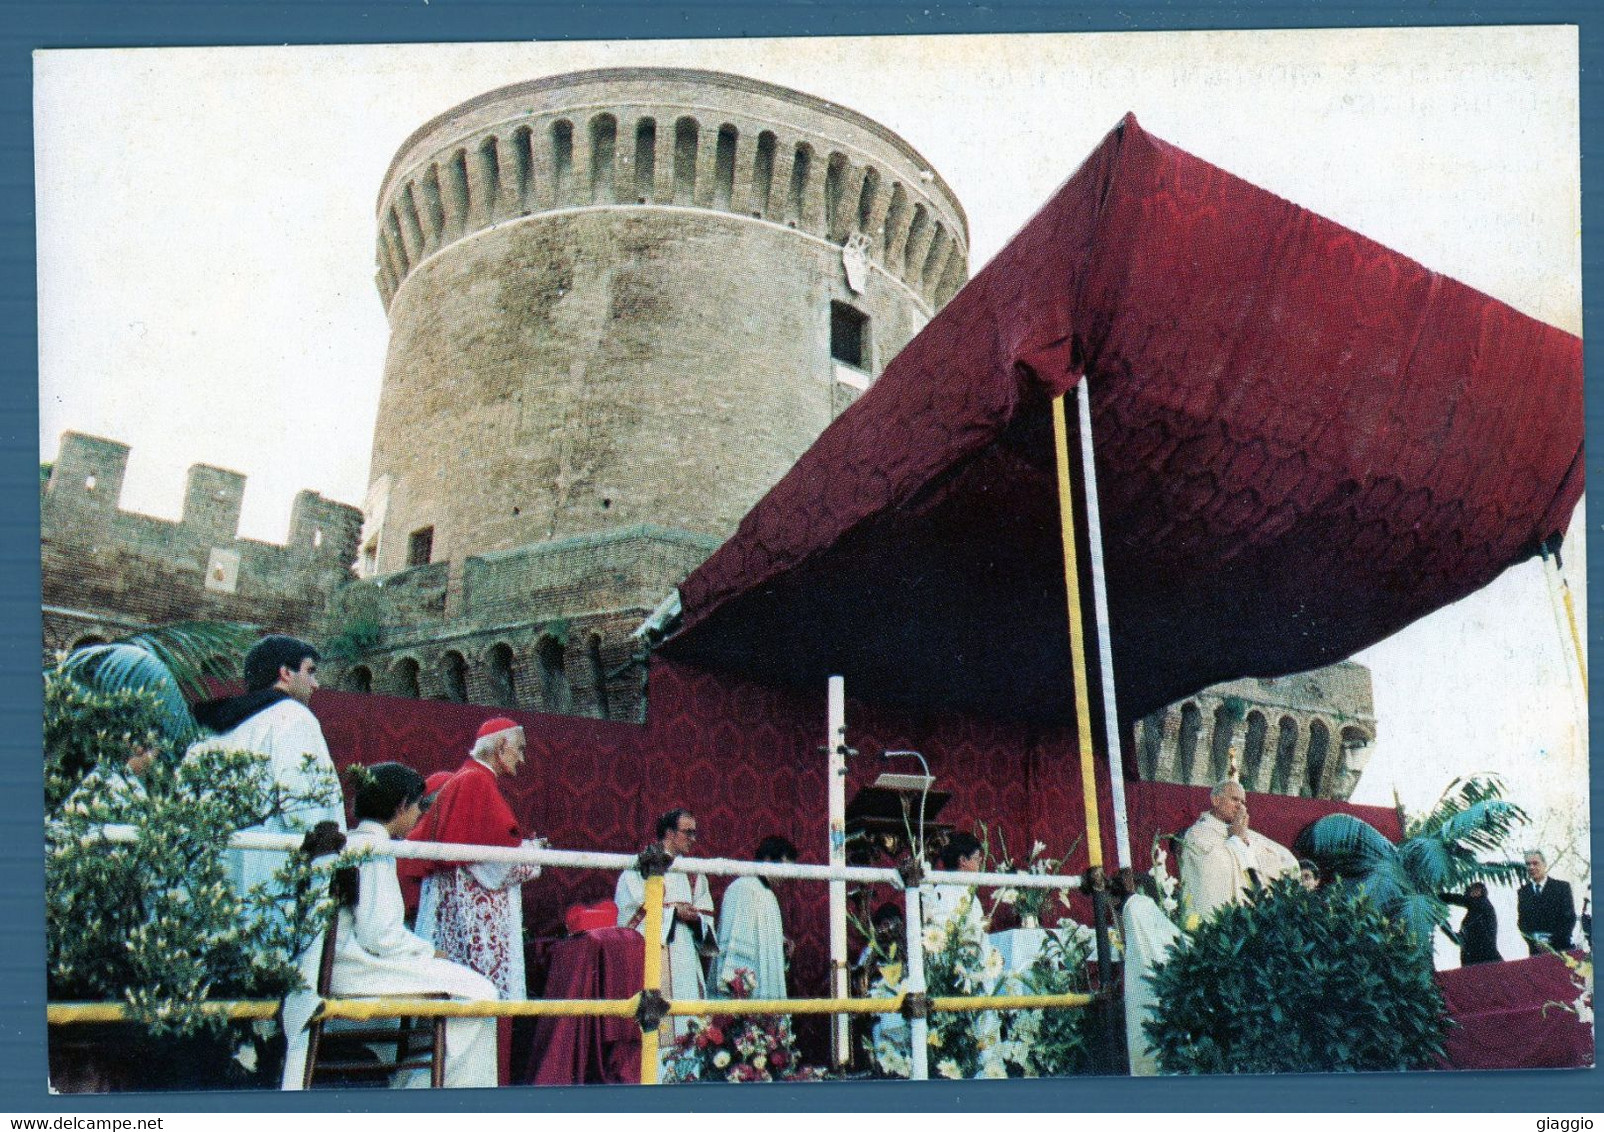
849 335
420 547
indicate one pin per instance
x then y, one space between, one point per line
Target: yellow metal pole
1576 634
1077 635
1106 1056
653 973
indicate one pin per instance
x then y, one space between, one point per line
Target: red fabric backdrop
745 759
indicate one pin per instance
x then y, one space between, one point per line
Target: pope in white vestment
752 935
1220 857
376 954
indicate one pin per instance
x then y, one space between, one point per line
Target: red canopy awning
1304 442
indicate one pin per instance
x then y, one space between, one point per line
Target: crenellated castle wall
106 571
1307 735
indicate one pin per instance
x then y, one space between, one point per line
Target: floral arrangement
1031 902
1169 887
737 1048
1582 979
960 960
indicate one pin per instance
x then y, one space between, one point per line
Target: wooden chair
343 1057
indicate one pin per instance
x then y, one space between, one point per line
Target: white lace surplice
474 913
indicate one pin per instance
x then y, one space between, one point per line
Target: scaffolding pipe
652 974
551 858
914 983
373 1010
836 741
1105 643
1083 721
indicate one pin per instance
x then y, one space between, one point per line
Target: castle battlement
671 138
102 564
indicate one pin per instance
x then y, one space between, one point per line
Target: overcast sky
206 252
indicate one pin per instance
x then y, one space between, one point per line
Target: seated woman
376 954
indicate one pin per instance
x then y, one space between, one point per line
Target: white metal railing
914 984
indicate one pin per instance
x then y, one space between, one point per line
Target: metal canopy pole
836 743
1083 725
1105 645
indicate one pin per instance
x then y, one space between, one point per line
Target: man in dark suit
1544 910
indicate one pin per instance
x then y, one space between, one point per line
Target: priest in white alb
687 913
1222 860
751 933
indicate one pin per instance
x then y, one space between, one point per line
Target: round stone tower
634 297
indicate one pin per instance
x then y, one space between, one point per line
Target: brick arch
453 667
405 678
1320 762
551 667
1186 742
501 673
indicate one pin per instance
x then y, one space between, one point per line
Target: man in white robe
687 913
751 933
272 719
375 954
1149 935
1222 860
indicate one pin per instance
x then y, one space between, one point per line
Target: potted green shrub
152 923
1297 982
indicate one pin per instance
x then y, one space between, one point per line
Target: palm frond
1484 825
1387 883
173 662
1428 863
1420 912
195 651
125 667
1488 872
1459 795
1344 845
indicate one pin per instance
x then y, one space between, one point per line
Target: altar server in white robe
1149 935
687 913
376 954
751 934
272 719
1222 860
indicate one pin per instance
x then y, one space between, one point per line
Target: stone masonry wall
107 571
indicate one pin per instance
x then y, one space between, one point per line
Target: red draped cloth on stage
745 757
1511 1016
1304 442
604 963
